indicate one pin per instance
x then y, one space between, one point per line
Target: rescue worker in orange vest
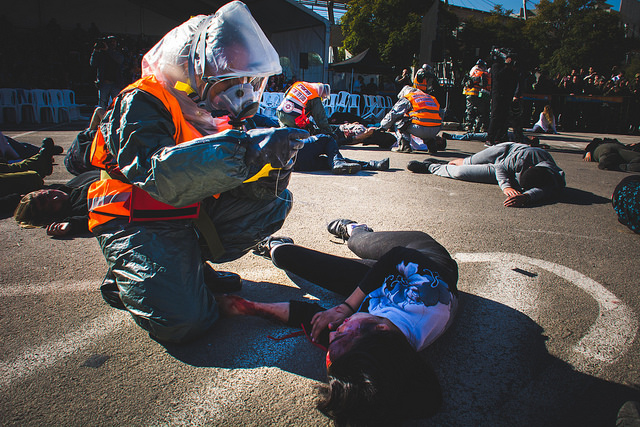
183 184
477 91
415 114
302 101
427 81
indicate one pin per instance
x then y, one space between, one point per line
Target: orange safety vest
296 98
425 109
420 85
112 198
474 90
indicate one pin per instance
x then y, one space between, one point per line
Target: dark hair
381 380
536 177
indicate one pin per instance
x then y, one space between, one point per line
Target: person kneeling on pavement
415 114
184 185
525 174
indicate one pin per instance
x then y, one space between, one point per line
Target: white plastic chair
43 104
330 104
369 106
9 101
27 105
69 99
381 109
343 101
56 98
354 104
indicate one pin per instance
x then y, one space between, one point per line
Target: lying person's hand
510 192
456 162
587 157
516 200
58 228
331 319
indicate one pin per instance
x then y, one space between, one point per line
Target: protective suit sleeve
139 131
397 112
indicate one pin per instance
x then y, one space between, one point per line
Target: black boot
341 167
381 165
220 282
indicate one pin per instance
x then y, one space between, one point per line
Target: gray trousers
476 168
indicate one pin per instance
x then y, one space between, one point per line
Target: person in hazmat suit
184 184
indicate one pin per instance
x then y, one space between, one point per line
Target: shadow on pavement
574 196
495 369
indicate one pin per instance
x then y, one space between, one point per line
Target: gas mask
239 97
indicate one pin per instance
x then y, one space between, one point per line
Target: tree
389 28
498 29
576 33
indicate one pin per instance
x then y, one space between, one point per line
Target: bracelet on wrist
349 305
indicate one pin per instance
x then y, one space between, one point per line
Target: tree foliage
576 33
561 34
390 28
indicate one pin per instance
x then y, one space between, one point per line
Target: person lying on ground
321 152
610 154
63 210
525 174
533 141
22 177
12 151
401 296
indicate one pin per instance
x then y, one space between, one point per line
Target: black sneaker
418 167
263 248
338 227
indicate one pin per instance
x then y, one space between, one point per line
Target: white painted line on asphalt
614 329
35 359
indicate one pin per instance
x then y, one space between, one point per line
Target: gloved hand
274 145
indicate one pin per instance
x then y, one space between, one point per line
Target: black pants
343 275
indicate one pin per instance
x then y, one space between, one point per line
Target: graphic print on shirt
414 286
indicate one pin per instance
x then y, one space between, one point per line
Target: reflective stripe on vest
111 198
296 98
425 109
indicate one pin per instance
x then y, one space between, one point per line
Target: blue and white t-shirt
413 295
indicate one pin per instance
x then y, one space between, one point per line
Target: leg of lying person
337 274
474 173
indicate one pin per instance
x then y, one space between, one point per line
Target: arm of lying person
293 313
332 318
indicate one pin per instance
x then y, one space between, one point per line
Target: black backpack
626 202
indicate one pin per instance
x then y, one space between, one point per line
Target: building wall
630 15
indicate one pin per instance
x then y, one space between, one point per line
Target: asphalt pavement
547 330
